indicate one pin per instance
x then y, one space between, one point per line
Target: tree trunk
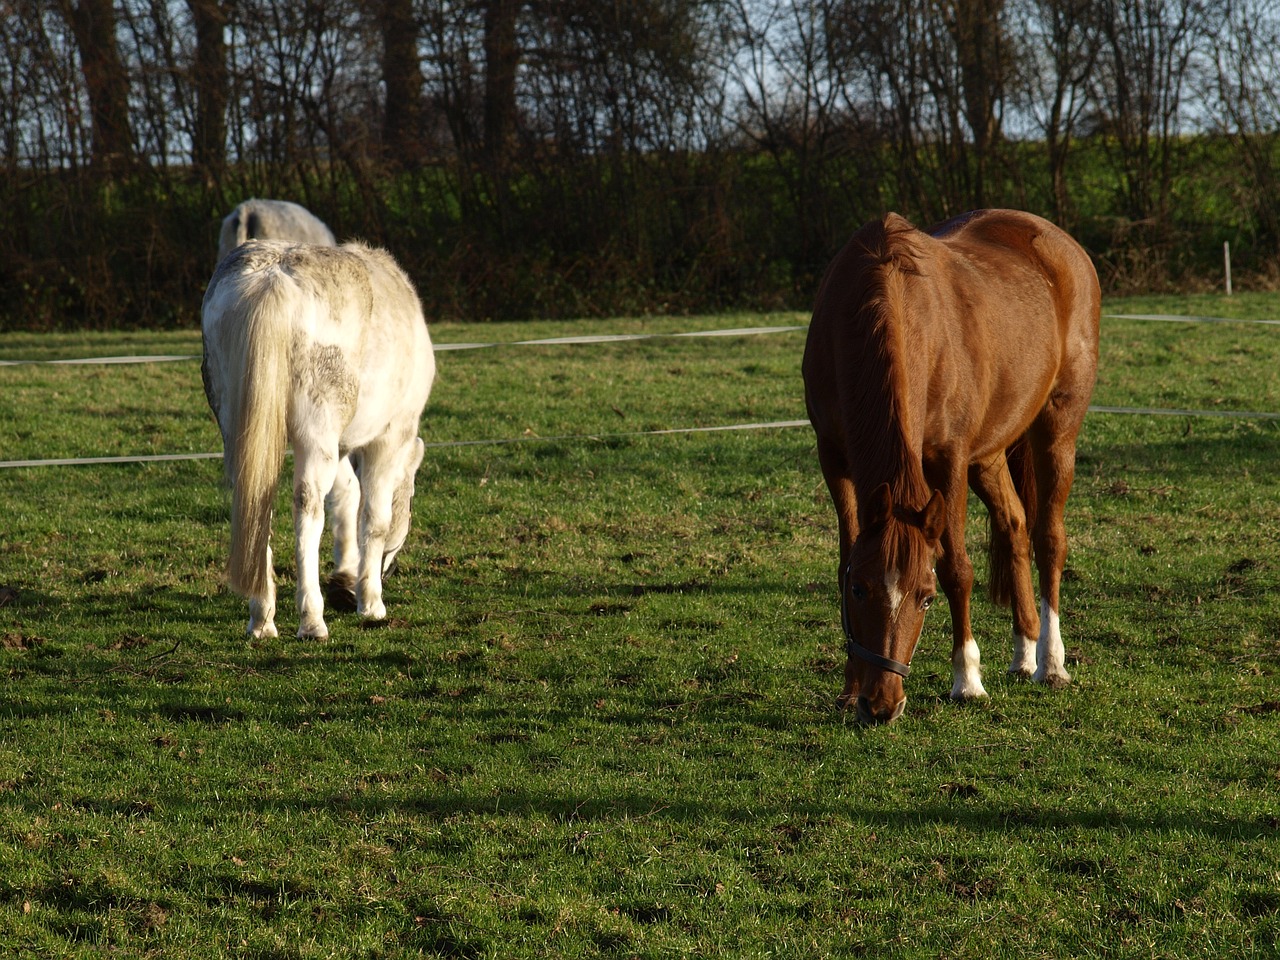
212 84
93 23
402 136
979 43
501 58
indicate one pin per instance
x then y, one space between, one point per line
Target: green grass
600 721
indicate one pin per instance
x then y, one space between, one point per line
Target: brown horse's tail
999 554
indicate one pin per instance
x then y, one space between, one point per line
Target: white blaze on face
891 578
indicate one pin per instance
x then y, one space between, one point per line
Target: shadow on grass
437 803
1200 453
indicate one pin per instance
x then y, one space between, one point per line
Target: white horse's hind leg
314 474
381 470
402 508
343 505
262 610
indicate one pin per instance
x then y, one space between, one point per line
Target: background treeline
573 157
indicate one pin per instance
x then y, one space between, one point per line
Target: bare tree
93 23
934 72
789 80
1149 48
982 59
1246 56
212 82
453 46
1062 40
402 140
501 61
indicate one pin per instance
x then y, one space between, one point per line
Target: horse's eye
926 603
857 591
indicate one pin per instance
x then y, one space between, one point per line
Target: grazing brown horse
965 354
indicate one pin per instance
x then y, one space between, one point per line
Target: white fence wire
593 437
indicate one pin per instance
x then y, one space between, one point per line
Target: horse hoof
320 632
266 631
966 694
375 611
340 593
1054 681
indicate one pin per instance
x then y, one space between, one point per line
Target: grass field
600 720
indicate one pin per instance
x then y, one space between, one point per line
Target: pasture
600 720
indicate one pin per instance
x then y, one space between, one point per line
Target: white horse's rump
324 348
258 219
271 220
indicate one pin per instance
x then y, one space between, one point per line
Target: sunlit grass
600 720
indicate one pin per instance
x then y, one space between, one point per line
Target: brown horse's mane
894 550
889 253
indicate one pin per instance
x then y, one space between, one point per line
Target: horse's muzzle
873 716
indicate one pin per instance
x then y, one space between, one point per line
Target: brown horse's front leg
1010 557
1055 469
835 471
955 574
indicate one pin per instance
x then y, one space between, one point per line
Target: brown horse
966 354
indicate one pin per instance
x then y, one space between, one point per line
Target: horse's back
983 281
1009 243
1031 295
983 318
357 339
397 361
258 219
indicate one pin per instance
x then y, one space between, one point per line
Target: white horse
257 219
271 220
324 348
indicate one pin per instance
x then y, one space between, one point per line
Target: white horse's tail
256 434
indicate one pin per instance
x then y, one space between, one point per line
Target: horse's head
401 507
886 588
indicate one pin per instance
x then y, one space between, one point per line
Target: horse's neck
896 462
891 440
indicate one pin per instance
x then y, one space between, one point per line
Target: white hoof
1049 651
374 611
962 691
313 631
1024 657
1052 677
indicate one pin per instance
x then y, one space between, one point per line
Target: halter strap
853 648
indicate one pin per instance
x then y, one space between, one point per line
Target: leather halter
853 648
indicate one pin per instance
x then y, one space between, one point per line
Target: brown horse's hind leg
835 471
1010 552
1054 451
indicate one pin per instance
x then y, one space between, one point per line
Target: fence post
1226 261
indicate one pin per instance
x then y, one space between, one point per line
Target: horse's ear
879 506
934 519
